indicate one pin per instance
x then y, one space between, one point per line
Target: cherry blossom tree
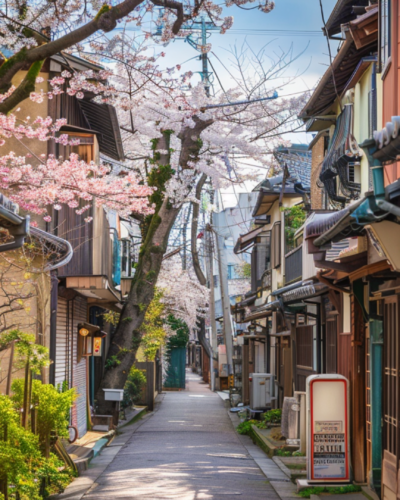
33 31
176 139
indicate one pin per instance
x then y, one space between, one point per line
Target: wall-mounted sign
328 453
84 332
97 342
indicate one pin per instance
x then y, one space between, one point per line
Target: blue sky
290 16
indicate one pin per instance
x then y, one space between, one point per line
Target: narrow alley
187 450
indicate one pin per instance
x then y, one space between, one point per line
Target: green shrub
283 453
245 427
52 406
335 490
22 464
136 381
273 416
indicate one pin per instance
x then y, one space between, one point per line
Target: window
126 259
260 259
232 274
385 32
276 246
215 280
85 148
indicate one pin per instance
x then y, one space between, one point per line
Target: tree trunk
126 341
128 336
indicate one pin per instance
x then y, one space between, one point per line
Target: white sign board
328 455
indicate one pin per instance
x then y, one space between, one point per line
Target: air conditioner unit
262 390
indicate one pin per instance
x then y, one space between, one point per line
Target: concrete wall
24 305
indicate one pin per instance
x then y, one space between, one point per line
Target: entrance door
305 353
391 399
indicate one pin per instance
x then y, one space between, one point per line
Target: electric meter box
262 391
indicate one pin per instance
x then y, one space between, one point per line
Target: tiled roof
298 162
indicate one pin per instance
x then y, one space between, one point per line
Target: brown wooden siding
391 398
331 346
304 355
276 246
67 368
357 393
72 227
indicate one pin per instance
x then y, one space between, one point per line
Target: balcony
294 264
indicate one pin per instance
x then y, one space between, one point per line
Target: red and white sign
328 452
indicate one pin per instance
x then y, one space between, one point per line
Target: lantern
84 332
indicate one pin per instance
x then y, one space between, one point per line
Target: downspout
53 326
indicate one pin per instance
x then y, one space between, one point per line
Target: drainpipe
376 340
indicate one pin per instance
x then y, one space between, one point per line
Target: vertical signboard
328 428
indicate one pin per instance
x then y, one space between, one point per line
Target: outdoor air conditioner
262 391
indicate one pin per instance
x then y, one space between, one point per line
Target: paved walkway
187 450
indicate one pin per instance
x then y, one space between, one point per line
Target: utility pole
204 58
210 276
184 234
226 305
200 28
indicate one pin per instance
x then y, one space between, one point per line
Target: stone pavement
188 450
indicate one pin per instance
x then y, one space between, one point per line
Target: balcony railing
293 264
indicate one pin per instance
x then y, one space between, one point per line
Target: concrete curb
277 478
82 484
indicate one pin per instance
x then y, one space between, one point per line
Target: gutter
365 210
58 242
19 229
293 286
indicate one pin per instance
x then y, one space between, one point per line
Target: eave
328 90
364 29
342 13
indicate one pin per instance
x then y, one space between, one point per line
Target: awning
287 288
247 301
269 191
350 221
257 315
247 240
342 150
97 289
263 311
304 292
